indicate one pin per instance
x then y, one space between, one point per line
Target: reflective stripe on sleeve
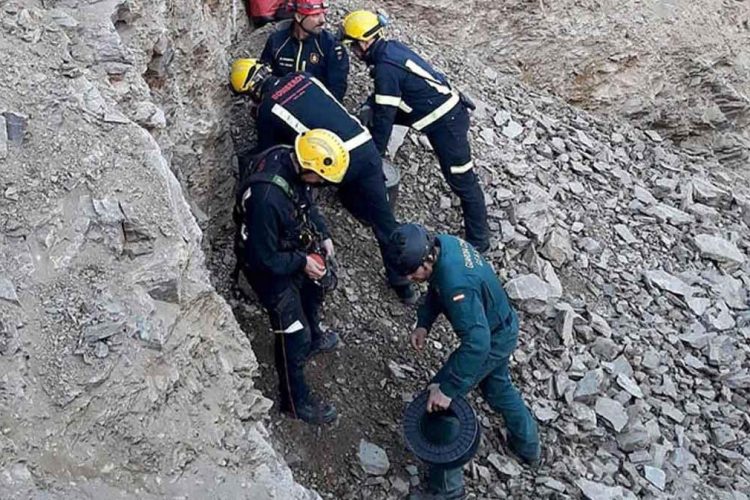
388 100
357 140
289 119
396 102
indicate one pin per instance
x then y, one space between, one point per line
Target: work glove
366 115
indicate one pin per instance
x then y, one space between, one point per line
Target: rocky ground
122 373
676 66
628 258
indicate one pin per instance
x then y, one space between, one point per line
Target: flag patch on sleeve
458 297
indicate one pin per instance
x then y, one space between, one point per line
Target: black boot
312 411
326 342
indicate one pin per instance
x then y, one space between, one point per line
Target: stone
655 476
694 362
667 213
721 318
543 412
558 145
445 203
606 348
651 360
530 291
668 282
501 117
396 369
564 323
373 459
705 192
698 305
653 135
597 491
487 135
3 139
15 126
636 439
600 325
644 195
101 350
400 486
612 412
512 130
723 436
583 415
721 350
589 385
629 385
718 249
672 412
730 290
149 116
506 467
621 366
8 291
624 232
557 248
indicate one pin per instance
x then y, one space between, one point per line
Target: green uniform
464 287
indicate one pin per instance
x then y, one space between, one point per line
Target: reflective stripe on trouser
503 397
296 306
449 138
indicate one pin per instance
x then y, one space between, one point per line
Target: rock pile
628 259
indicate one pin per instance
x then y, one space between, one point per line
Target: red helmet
307 7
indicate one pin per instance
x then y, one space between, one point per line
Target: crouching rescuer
285 252
463 286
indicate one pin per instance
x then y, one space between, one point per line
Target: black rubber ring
453 454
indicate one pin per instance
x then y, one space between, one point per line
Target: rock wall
673 65
122 372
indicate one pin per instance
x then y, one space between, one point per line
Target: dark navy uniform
320 55
408 91
464 287
274 217
299 102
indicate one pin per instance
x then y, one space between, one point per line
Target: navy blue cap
408 247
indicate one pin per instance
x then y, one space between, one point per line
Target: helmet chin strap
302 26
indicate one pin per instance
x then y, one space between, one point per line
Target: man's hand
313 269
418 337
327 245
437 400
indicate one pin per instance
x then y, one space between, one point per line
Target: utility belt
312 242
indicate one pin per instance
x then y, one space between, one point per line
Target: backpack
248 177
251 176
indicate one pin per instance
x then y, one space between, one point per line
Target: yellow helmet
361 25
248 75
323 152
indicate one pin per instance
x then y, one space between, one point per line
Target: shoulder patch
459 297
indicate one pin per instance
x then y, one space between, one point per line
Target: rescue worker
408 91
463 286
307 46
299 102
279 224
